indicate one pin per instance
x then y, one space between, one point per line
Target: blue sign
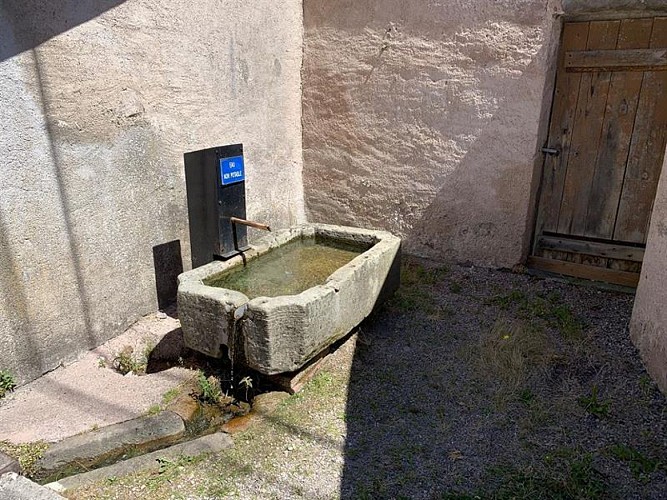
232 170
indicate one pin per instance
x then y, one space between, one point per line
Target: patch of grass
7 382
414 273
510 352
168 470
647 387
504 301
154 409
574 478
594 405
640 465
170 395
549 308
27 454
412 299
455 287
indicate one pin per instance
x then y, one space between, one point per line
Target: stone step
108 444
15 487
213 443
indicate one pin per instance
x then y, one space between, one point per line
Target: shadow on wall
13 300
23 34
65 15
483 213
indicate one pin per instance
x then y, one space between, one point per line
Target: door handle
551 151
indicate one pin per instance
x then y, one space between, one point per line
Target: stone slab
213 443
94 448
8 464
15 487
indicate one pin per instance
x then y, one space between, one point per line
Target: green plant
455 287
209 388
7 382
640 465
125 362
170 395
154 409
247 383
594 405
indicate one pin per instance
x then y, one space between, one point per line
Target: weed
26 453
527 397
640 465
209 388
504 301
416 274
170 395
126 362
7 382
455 287
594 405
646 386
168 470
247 383
154 409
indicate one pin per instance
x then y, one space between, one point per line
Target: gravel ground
470 383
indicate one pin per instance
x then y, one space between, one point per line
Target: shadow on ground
478 383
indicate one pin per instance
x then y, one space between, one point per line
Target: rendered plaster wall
426 119
98 102
648 327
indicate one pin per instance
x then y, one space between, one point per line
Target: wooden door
604 154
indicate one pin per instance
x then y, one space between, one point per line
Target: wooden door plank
646 151
617 126
616 60
587 272
593 248
593 91
566 93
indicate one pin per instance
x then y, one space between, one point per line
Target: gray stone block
104 445
281 334
15 487
8 464
212 443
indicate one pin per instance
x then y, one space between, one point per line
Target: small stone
161 315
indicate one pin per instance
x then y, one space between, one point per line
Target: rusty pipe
249 223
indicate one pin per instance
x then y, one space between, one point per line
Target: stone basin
281 334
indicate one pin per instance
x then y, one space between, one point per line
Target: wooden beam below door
595 248
582 271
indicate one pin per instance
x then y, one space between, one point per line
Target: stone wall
648 326
426 119
98 102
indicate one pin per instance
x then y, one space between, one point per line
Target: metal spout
249 223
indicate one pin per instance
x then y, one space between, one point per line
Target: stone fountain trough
280 334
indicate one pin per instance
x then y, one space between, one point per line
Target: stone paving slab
91 449
87 393
15 487
213 443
